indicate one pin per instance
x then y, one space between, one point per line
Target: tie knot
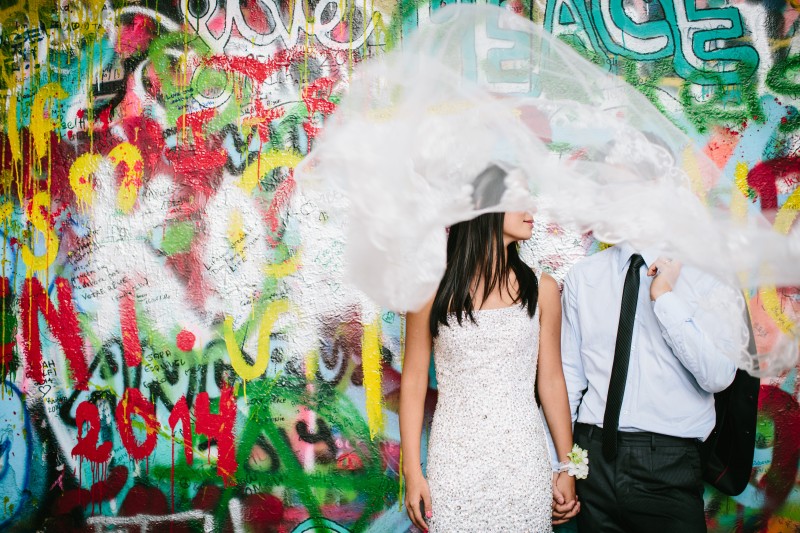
636 261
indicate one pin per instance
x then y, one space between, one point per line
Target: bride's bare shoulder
549 294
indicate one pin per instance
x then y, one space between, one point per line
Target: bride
490 321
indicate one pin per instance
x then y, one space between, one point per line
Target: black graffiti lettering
322 434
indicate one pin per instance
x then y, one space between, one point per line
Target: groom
641 374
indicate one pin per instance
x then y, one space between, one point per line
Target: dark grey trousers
654 484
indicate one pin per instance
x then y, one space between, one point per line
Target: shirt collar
626 250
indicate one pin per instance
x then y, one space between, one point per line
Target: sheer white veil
482 111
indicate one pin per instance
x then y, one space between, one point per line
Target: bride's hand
565 501
416 490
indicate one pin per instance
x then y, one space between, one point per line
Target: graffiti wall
178 349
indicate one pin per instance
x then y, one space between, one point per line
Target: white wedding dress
488 461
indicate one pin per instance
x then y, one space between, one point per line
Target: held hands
665 274
565 501
417 490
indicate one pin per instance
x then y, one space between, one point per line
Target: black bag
728 452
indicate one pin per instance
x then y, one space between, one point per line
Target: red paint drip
131 345
87 444
316 97
219 427
254 69
105 119
258 72
62 322
172 474
200 159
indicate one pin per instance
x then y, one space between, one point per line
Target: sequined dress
488 463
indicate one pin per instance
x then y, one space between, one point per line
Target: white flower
580 471
578 462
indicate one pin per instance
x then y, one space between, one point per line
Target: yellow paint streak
312 365
266 162
772 305
739 193
379 30
247 371
13 129
372 17
693 171
769 295
777 44
401 487
40 209
6 210
739 211
132 180
41 126
371 361
184 69
236 234
281 270
306 44
92 15
788 213
350 10
740 177
80 178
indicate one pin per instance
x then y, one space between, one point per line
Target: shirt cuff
671 310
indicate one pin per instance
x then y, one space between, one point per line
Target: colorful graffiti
178 346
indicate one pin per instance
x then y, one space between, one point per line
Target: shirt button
625 412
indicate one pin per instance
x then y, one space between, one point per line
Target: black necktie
622 354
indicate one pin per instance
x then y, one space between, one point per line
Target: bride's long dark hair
475 250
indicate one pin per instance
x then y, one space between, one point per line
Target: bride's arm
413 388
552 386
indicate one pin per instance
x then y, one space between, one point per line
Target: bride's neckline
494 310
512 306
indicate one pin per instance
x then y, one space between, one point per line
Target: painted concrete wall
177 344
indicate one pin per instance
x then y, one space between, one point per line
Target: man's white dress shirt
675 363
